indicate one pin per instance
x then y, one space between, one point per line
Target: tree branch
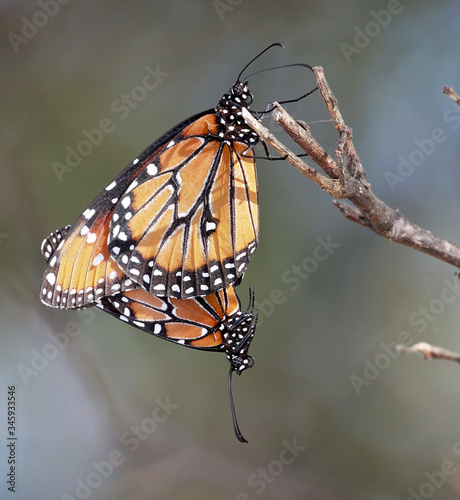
430 352
345 178
449 91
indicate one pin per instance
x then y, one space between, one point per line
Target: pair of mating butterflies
165 244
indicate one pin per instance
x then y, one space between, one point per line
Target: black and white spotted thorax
233 126
238 336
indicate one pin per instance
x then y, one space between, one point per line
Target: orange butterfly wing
197 322
188 225
79 269
79 266
181 220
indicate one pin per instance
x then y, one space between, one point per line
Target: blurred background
105 411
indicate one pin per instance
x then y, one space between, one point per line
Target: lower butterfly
212 323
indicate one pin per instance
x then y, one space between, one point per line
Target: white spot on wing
132 186
98 259
91 238
87 214
51 278
152 169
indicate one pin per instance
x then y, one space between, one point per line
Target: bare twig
329 185
345 179
449 91
430 352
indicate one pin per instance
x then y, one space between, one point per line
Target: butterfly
212 323
181 220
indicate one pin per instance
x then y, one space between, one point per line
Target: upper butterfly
181 220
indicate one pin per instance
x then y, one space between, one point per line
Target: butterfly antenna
236 427
281 67
257 56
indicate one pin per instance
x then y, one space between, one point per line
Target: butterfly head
232 101
241 94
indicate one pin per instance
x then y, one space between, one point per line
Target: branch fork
344 178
